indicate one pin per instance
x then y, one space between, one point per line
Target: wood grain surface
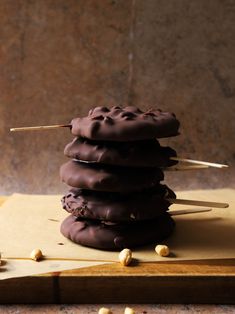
207 281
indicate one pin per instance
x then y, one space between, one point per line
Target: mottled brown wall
59 57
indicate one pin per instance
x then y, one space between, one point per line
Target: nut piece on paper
36 255
129 310
125 257
162 250
104 310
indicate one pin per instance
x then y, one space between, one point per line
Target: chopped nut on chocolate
132 216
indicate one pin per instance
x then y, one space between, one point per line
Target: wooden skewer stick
172 168
189 211
40 128
196 162
61 259
199 162
197 203
181 168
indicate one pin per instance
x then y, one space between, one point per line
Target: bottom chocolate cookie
111 236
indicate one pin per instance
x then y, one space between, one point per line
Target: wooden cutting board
211 281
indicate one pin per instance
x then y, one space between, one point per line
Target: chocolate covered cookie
125 124
115 207
116 236
116 200
146 153
109 178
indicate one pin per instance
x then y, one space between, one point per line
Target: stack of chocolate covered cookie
116 199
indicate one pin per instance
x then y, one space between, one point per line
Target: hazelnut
129 310
36 255
125 257
132 216
104 310
162 250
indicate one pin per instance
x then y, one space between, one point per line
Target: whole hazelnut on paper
162 250
125 257
104 310
36 255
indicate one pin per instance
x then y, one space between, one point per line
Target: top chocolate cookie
125 124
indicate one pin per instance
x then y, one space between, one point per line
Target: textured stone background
60 57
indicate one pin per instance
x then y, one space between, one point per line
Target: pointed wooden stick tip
200 162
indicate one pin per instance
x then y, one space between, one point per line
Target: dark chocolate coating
117 207
107 236
107 178
146 153
125 124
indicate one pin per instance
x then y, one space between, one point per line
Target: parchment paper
33 221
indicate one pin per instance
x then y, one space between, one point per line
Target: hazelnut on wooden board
36 255
125 257
129 310
162 250
104 310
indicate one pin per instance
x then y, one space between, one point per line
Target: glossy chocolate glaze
125 124
143 205
117 200
101 235
109 178
146 153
